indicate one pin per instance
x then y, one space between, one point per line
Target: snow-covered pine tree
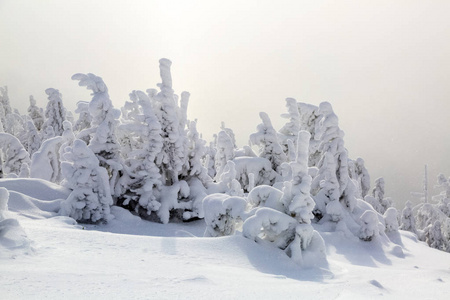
34 139
407 221
36 114
45 163
141 182
362 177
55 112
173 157
378 194
290 130
297 198
84 119
267 140
102 132
224 153
4 100
13 155
90 199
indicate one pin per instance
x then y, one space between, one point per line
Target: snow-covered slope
134 259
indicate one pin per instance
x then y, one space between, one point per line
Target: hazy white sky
384 66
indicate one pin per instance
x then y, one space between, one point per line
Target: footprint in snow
377 284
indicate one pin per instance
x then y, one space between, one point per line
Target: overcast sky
383 65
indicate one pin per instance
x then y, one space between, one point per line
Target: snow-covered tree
102 132
297 197
222 212
224 152
230 133
90 199
391 219
34 139
48 133
369 226
407 221
13 155
45 163
55 112
4 100
141 182
362 177
84 118
173 157
290 130
36 114
267 140
378 194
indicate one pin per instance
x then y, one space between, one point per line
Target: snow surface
56 258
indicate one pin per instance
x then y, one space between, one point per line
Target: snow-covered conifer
48 133
230 133
224 152
4 100
362 177
378 194
141 182
369 226
36 114
45 163
84 118
222 212
13 154
173 157
391 219
34 139
407 221
90 199
266 138
55 112
290 130
297 197
102 133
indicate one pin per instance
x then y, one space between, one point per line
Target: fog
383 65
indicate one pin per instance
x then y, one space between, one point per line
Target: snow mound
36 188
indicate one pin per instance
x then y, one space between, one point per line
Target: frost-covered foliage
407 221
230 133
222 213
84 119
382 203
34 139
333 182
102 132
224 152
369 226
4 100
13 155
296 193
267 140
55 113
36 114
45 163
362 177
141 182
48 133
284 232
391 219
90 199
172 160
261 169
290 130
266 196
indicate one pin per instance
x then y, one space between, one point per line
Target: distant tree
407 219
266 138
36 114
55 112
13 155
